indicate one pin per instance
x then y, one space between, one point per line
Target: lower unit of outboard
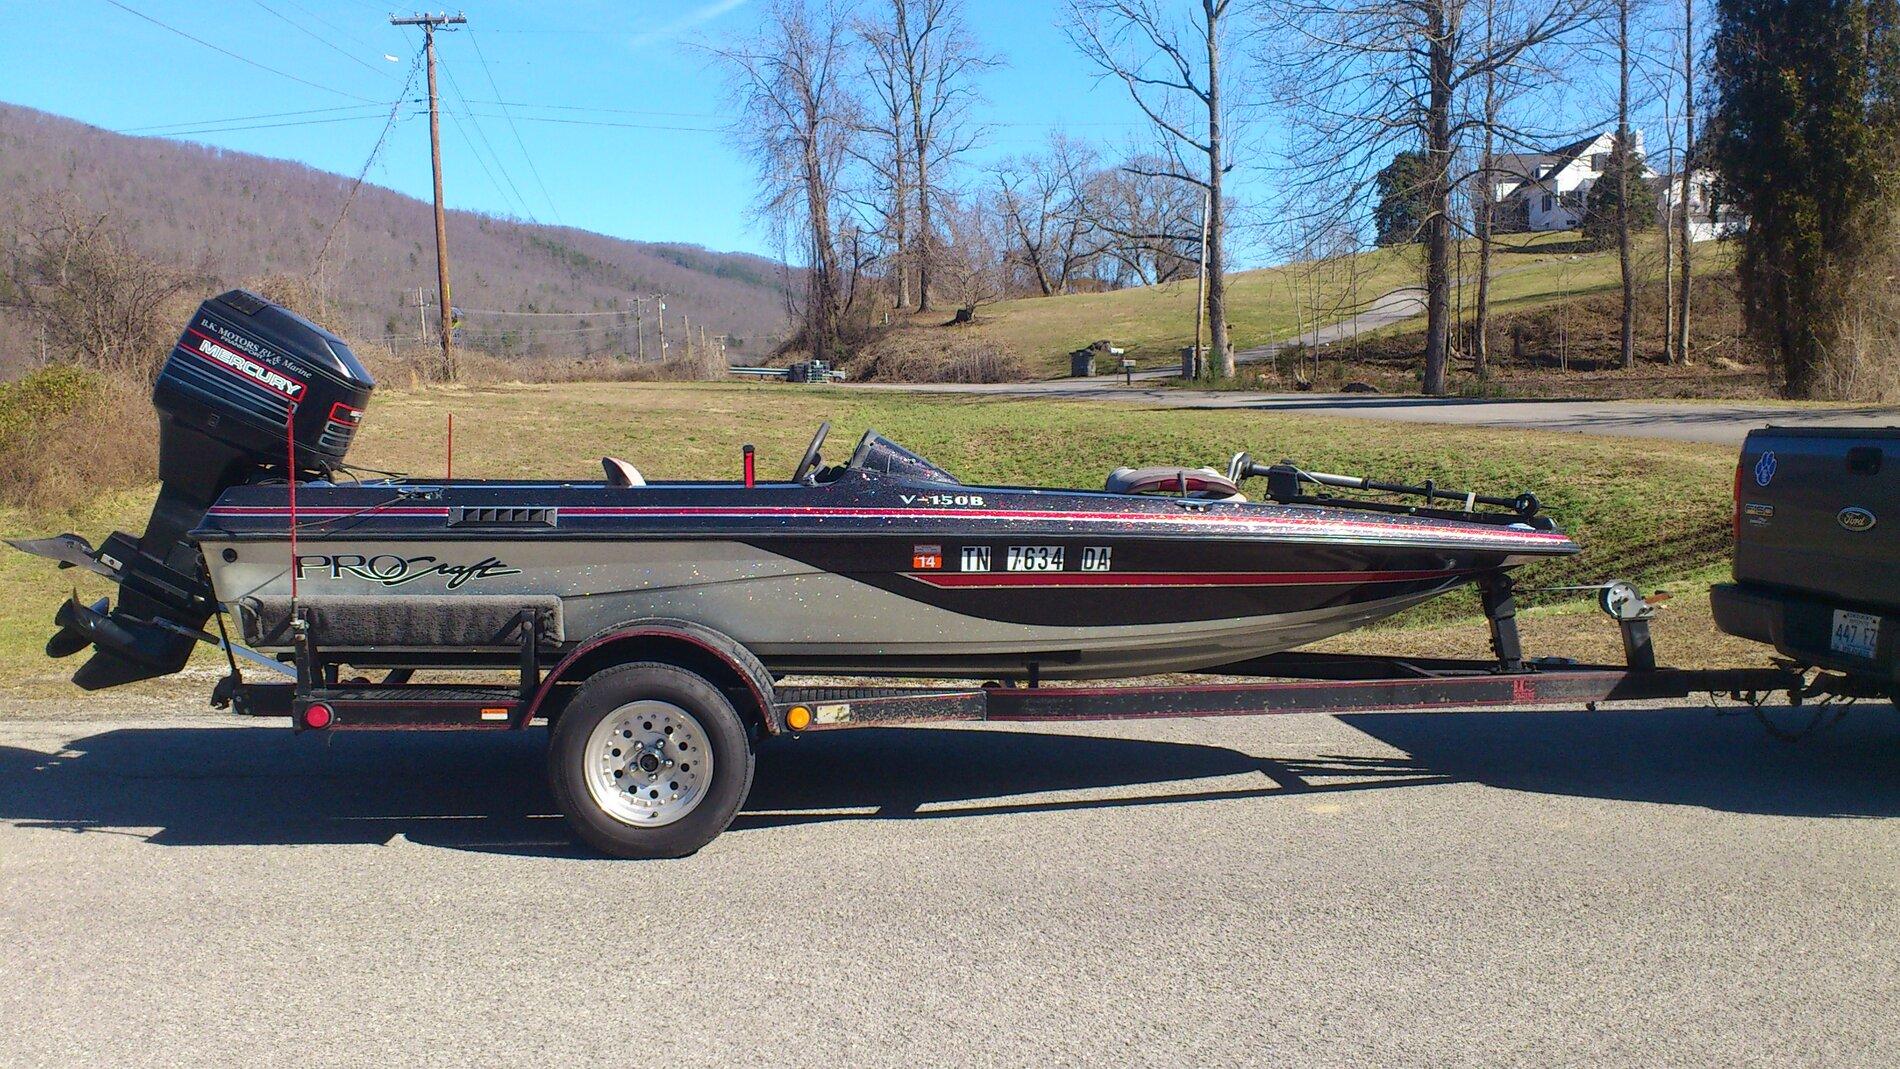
252 391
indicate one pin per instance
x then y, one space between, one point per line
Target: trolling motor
1285 478
251 391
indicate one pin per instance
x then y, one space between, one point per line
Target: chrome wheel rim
648 764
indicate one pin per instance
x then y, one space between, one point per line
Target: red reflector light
318 715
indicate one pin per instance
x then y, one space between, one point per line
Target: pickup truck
1817 550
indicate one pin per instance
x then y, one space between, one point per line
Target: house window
1546 202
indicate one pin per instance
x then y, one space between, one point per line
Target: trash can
1082 364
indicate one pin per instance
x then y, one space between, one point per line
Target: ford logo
1856 519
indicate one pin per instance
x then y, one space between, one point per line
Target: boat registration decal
1034 559
976 558
926 558
1095 558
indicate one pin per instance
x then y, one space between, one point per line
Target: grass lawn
1649 510
1155 322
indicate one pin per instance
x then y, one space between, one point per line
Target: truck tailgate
1818 512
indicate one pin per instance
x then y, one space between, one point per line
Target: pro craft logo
269 378
390 570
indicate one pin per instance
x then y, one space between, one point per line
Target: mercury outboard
252 393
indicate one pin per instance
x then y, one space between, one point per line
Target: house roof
1532 166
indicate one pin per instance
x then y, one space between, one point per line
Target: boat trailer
629 769
1283 683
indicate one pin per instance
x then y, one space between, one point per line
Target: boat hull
893 605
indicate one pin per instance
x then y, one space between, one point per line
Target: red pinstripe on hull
1176 579
1250 524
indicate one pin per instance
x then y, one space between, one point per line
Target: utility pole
429 24
662 303
639 329
689 335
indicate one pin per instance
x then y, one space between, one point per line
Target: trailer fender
719 657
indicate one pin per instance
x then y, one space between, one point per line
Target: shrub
52 426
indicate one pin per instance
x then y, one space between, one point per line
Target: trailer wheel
649 761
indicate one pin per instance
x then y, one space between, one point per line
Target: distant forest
241 218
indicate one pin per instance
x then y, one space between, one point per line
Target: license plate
1035 558
1855 633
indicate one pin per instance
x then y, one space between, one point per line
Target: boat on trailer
652 623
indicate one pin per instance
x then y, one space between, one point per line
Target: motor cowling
252 390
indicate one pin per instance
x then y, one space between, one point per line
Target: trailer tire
649 761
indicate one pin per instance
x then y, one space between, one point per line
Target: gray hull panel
791 615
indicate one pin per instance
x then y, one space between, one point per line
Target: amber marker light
798 718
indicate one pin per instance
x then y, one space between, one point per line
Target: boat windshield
876 453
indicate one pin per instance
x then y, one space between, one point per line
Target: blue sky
664 172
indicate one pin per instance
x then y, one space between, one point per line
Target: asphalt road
1724 422
1662 887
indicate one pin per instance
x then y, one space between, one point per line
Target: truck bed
1817 546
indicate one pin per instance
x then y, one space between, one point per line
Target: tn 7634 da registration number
1034 559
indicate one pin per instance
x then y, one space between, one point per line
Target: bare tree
1688 158
1154 220
1052 231
1368 79
1624 161
922 70
96 297
796 120
1172 68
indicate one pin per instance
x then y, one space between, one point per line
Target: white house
1546 190
1726 221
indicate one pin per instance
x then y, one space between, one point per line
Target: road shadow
250 786
1716 759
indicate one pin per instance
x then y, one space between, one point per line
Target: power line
264 126
618 125
333 26
325 42
516 130
247 118
456 88
376 150
233 55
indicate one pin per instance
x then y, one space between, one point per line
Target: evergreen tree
1599 204
1403 188
1803 139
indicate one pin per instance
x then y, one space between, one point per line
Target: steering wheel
810 460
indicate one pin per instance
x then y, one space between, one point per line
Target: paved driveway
1725 422
1662 887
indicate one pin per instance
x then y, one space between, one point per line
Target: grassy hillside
244 217
1650 510
1274 304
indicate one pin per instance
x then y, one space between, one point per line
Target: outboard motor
251 391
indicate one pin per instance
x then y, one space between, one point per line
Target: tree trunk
1216 217
1481 315
821 316
1627 341
1681 355
1438 151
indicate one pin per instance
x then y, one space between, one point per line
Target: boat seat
1200 482
621 473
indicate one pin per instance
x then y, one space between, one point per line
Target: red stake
748 467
